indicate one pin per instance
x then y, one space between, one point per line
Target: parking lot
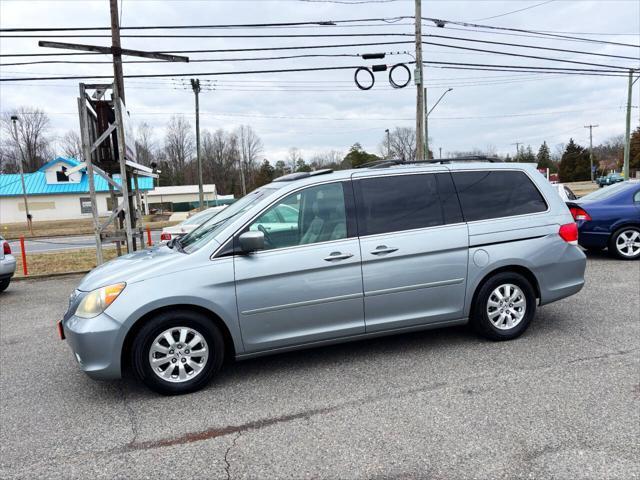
563 401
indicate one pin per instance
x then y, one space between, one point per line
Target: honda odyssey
326 257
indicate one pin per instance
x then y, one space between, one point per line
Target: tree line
234 159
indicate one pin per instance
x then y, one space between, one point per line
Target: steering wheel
267 236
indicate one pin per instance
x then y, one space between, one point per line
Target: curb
44 276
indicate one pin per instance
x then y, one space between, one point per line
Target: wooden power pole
195 84
418 76
591 127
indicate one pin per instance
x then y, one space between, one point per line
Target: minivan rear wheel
504 306
177 352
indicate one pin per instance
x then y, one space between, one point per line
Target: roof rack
298 175
391 162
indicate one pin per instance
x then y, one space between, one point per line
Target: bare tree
250 148
294 155
402 141
32 140
179 146
328 159
145 144
71 145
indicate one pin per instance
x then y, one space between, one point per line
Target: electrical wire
312 23
290 35
514 11
443 23
225 50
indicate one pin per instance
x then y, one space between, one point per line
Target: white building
184 198
52 195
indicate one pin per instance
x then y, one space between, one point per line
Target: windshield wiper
178 245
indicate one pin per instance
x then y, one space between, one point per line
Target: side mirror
251 241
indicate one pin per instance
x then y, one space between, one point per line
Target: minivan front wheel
504 307
177 352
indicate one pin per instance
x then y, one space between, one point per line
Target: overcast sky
319 111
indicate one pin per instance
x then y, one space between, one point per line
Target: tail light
165 236
6 248
569 233
579 214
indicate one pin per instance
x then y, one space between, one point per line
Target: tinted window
396 203
448 198
316 214
493 194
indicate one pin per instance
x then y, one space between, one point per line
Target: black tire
613 249
4 284
195 322
480 317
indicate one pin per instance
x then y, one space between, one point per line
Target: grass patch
61 262
582 188
55 228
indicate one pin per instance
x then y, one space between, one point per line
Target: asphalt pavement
562 401
59 244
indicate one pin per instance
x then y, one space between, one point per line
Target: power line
289 35
224 50
514 11
312 23
443 23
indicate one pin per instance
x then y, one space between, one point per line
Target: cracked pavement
563 401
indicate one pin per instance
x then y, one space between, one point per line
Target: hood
133 267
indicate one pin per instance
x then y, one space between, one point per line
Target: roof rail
392 162
298 175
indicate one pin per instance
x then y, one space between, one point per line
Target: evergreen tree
574 165
358 156
266 173
301 166
544 157
634 153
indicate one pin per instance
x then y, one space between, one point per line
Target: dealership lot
563 401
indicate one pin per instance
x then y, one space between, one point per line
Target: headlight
98 300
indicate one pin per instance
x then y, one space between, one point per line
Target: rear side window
398 202
494 194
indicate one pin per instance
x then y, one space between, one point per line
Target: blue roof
36 183
72 162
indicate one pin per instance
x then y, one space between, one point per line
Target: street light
426 120
388 143
14 119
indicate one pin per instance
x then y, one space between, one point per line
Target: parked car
190 223
565 192
610 179
7 264
374 251
610 218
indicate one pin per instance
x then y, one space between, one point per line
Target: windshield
607 192
204 233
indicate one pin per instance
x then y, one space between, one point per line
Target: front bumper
96 344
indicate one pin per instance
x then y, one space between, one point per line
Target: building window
61 176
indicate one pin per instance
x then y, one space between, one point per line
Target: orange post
24 256
149 242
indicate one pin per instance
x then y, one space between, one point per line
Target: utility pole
195 84
591 127
388 143
418 77
627 133
517 144
116 48
440 148
14 119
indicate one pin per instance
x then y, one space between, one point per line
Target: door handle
338 256
382 249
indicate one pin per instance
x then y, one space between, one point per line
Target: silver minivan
326 257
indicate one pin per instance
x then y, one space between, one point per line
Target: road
58 244
562 401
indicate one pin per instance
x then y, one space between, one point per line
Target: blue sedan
610 218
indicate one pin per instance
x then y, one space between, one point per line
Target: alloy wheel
178 354
506 306
628 243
